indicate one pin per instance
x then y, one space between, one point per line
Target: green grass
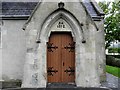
113 70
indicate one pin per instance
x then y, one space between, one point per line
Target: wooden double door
61 58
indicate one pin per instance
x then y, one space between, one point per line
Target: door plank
53 59
68 58
61 59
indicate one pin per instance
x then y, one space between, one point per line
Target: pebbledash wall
24 51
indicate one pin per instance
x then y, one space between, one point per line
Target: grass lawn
113 70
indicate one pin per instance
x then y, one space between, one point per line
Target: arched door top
61 13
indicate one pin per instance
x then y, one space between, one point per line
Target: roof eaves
97 18
28 20
14 17
89 16
97 8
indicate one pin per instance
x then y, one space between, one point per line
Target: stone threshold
61 85
77 88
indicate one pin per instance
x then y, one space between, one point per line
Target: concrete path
112 81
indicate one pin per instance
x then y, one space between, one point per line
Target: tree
112 21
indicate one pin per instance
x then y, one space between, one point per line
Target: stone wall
90 56
20 51
0 54
100 50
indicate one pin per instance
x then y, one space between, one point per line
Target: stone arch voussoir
77 30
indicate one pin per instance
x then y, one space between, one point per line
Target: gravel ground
112 82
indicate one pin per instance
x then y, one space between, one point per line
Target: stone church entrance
61 58
63 45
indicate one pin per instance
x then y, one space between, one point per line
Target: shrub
112 61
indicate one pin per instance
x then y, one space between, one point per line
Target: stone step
61 85
59 89
62 88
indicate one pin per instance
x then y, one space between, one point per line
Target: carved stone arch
77 29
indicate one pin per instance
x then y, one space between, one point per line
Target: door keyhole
63 63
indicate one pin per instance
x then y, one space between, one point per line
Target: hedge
112 61
113 50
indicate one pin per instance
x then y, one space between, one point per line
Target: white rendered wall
13 49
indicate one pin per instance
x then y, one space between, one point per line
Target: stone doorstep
78 88
61 85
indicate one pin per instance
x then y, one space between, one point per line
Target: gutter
14 17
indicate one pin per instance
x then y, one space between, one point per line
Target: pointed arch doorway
61 58
59 21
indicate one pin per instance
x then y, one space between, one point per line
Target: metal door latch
70 71
50 47
50 71
70 47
